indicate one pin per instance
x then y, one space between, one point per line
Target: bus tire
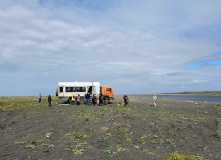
69 100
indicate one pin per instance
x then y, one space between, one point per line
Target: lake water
195 98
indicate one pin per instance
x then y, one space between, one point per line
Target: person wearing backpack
126 100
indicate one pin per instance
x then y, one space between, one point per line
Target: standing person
94 100
100 100
87 99
104 100
73 99
39 97
78 99
125 99
155 100
49 100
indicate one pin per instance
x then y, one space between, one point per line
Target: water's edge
195 98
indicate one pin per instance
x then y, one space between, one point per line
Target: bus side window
61 89
68 89
83 89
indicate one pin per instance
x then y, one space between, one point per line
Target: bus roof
78 84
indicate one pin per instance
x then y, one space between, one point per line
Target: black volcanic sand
139 131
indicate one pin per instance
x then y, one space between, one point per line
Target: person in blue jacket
39 97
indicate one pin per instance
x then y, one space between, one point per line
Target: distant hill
194 93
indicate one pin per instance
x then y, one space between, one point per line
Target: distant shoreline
185 97
186 93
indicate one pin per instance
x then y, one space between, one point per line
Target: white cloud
117 43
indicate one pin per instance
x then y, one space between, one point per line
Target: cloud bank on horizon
134 46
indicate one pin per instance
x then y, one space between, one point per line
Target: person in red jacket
126 100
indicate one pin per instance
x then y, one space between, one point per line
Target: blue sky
139 46
211 60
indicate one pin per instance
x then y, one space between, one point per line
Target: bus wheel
69 100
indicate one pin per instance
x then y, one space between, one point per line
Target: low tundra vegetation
177 156
217 106
150 131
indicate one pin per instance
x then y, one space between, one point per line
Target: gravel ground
30 130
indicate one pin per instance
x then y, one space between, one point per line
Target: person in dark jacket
49 100
94 100
126 100
87 99
105 102
100 100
